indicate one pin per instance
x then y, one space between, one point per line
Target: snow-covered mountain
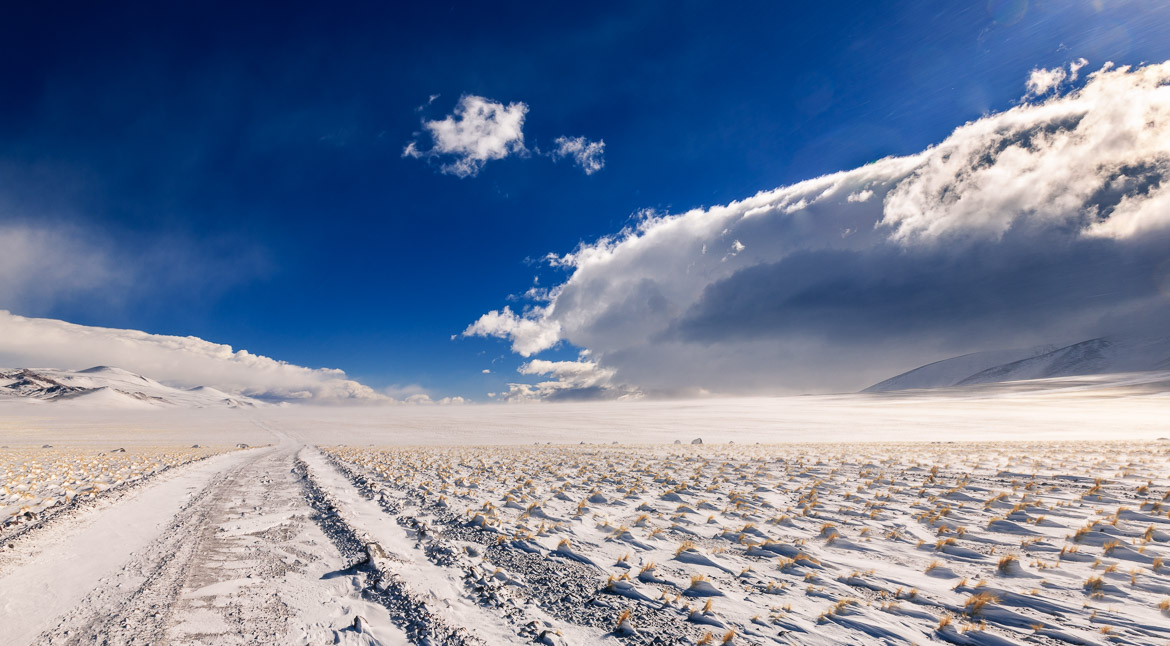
107 387
1106 355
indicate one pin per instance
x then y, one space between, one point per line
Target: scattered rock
678 441
697 440
195 446
118 450
46 446
241 445
374 552
550 638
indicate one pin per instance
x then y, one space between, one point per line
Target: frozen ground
1014 513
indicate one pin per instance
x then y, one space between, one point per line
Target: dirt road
241 561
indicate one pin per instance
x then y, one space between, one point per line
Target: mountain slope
109 387
949 372
1106 355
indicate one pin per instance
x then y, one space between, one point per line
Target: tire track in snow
240 563
133 606
406 570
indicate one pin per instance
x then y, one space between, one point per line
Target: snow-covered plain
1024 512
37 480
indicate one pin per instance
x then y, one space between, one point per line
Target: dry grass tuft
977 602
1006 562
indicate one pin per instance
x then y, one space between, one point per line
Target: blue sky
245 164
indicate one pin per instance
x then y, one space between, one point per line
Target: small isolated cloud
589 155
180 361
486 371
1047 222
481 130
478 131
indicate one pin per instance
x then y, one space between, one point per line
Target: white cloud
530 333
1043 81
589 155
570 380
479 130
1039 223
1092 161
181 361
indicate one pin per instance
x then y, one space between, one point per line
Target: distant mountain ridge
1105 355
109 387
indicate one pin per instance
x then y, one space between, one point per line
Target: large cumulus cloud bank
1045 223
178 360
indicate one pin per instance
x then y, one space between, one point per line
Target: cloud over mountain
181 361
1047 222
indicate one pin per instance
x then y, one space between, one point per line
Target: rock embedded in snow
550 638
697 440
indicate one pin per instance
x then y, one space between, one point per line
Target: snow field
1061 542
38 479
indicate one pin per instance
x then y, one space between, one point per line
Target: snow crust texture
819 544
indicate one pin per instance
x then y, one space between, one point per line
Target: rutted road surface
271 545
241 561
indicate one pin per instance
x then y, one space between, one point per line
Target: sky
538 200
